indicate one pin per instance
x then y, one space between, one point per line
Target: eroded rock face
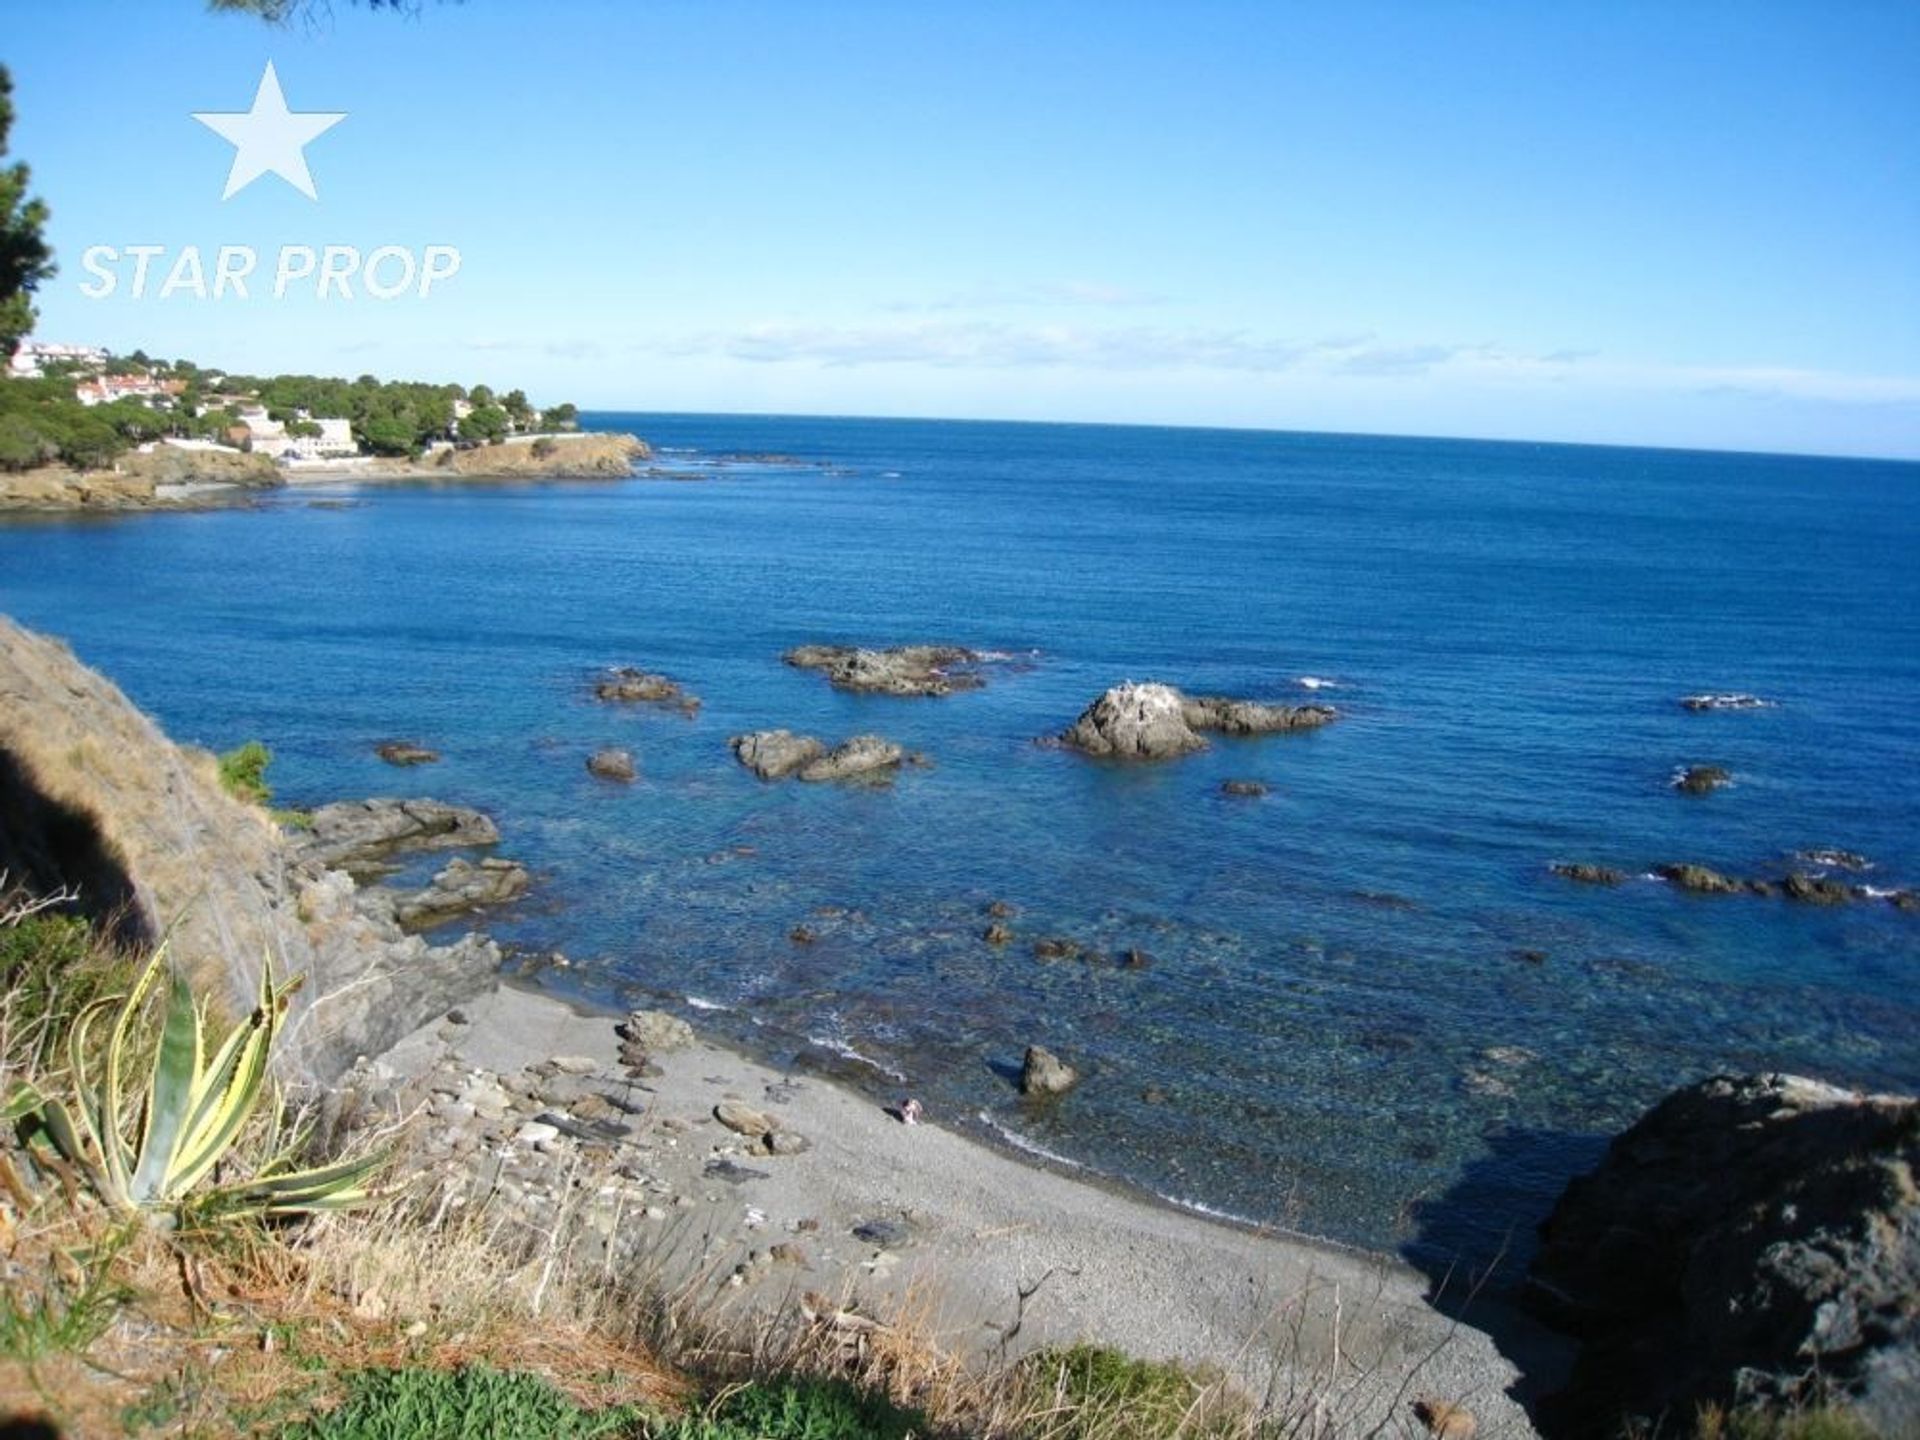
1752 1240
776 754
1135 722
362 834
906 670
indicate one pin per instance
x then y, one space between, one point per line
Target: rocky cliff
93 795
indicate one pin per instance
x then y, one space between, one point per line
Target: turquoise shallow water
1346 1036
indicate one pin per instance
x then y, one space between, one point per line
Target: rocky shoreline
168 478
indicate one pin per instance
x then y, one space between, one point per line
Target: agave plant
154 1150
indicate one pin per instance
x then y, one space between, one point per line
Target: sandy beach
965 1230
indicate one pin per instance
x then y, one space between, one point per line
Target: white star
269 137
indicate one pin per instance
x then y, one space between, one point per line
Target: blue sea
1371 1012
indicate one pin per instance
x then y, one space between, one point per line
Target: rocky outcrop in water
1157 722
778 754
1701 779
906 670
1251 717
1753 1240
1730 701
405 753
361 836
1585 873
1045 1073
462 887
1700 880
612 765
626 685
1135 722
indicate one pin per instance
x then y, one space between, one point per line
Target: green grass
60 1317
471 1404
794 1409
243 773
1102 1393
1821 1424
51 968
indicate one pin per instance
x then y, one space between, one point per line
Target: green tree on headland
25 260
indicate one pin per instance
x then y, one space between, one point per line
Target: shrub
471 1404
545 448
1093 1393
243 773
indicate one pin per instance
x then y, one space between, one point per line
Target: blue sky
1693 224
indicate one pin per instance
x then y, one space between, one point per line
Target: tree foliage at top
25 260
279 12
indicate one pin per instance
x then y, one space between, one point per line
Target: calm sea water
1347 1040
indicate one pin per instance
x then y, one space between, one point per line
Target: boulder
744 1119
1585 873
1751 1241
1701 779
628 686
1250 717
1699 879
998 932
612 765
864 756
1135 722
405 752
776 754
655 1031
358 835
1044 1073
1243 789
906 670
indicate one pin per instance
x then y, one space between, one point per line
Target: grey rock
1243 789
1699 879
361 834
460 888
1135 722
743 1119
655 1031
776 754
1045 1073
786 1142
1251 717
884 1234
1753 1240
862 757
1817 890
626 685
905 670
612 765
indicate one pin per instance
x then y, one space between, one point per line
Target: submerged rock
1817 890
1834 859
776 754
405 752
1701 779
1135 722
906 670
1243 789
1753 1240
1584 873
629 686
1044 1073
612 765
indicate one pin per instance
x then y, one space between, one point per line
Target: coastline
981 1225
173 479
